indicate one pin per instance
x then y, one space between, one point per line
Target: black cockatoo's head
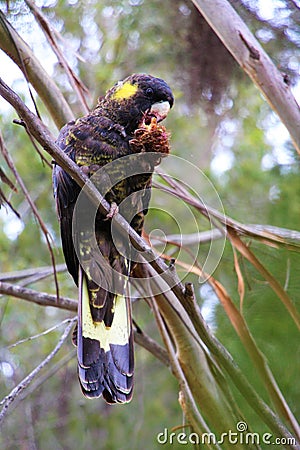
137 99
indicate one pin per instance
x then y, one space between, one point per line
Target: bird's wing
66 192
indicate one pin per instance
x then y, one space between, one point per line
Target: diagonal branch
24 274
267 234
14 46
43 333
32 205
186 397
247 51
77 85
62 363
7 401
3 199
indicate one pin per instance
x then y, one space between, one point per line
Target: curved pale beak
160 110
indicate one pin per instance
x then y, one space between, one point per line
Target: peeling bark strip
254 53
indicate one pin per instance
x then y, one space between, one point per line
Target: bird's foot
114 209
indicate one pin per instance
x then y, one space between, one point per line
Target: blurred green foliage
221 125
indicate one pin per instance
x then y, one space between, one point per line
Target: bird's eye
149 91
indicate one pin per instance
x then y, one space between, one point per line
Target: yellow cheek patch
125 90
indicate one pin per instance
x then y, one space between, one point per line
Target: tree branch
14 46
42 298
247 51
151 345
77 85
62 363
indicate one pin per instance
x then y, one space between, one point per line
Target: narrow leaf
277 288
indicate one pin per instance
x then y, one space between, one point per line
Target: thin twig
8 400
273 283
77 85
28 273
43 378
4 178
43 83
4 200
35 146
267 234
151 345
34 209
43 333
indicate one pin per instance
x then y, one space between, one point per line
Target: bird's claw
114 209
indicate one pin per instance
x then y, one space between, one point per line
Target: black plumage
118 145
